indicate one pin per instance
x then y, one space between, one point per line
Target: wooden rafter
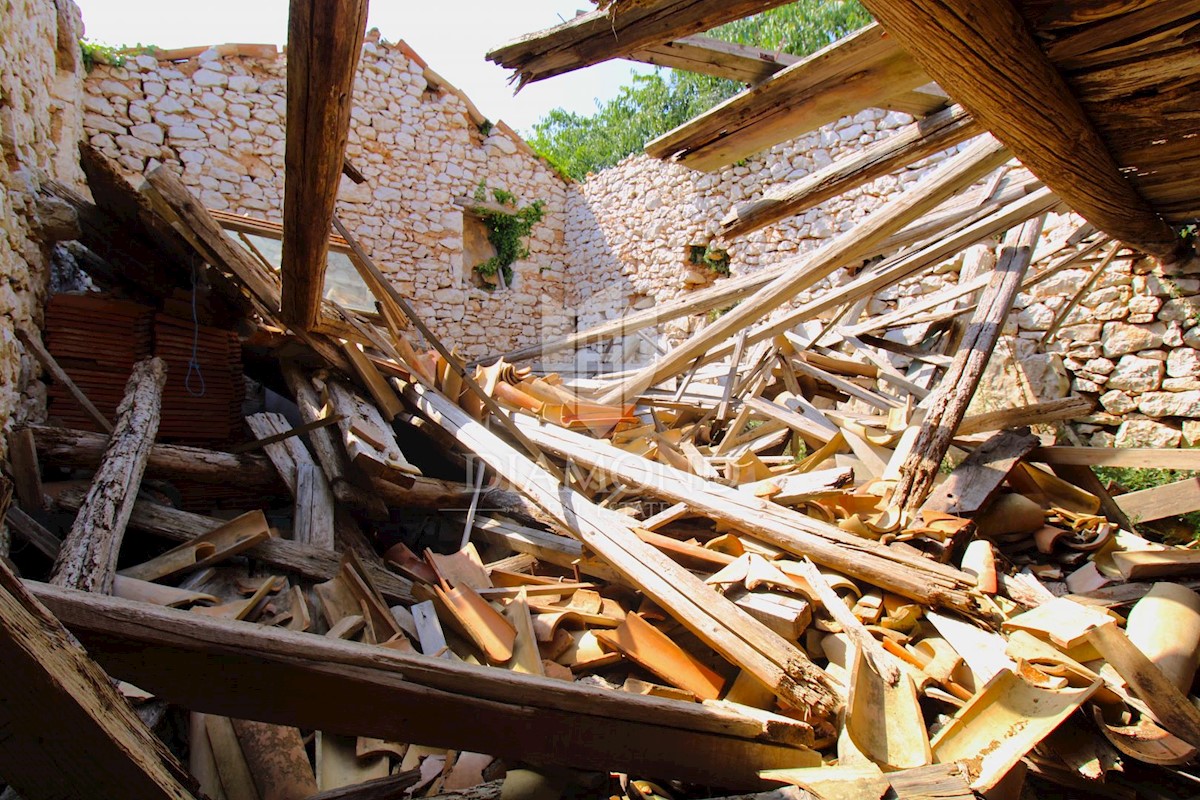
860 71
985 56
622 28
324 43
709 56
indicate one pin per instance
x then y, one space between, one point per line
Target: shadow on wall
598 290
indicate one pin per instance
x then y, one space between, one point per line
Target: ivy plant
506 229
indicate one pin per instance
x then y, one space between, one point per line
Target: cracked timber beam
983 54
324 43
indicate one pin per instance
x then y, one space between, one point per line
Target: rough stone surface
1170 404
41 119
1135 374
1147 433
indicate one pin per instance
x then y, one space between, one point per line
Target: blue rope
193 372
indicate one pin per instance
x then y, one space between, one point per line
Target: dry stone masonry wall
219 122
40 122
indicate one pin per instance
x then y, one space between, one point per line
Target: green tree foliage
655 103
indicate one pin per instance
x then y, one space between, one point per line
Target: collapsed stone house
676 506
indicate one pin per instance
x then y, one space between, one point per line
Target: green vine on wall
506 229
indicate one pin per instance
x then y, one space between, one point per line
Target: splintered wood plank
973 483
645 645
369 439
1153 457
381 391
860 71
88 557
324 44
67 731
986 57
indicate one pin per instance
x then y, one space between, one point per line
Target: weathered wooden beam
859 71
88 557
285 677
984 55
976 480
83 449
324 43
919 140
67 732
962 378
618 29
709 56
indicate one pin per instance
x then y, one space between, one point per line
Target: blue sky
451 35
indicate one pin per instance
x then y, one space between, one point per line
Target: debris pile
713 582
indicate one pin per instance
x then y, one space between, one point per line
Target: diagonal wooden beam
620 28
324 42
709 56
983 54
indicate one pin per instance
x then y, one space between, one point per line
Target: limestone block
1120 338
1115 401
1183 362
209 76
1180 309
1170 404
1147 433
1136 374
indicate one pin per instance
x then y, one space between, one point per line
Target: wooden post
983 54
962 378
66 730
324 43
88 558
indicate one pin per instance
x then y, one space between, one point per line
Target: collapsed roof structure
736 567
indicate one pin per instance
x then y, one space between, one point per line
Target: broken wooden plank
324 43
721 59
856 72
26 469
986 57
615 31
958 385
282 677
88 557
1152 457
975 481
68 732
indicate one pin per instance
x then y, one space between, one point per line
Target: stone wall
40 122
219 121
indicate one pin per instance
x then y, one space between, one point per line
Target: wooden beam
976 480
859 71
907 575
618 29
67 732
83 449
1148 505
984 55
709 56
962 378
1138 457
949 178
88 558
285 677
324 43
919 140
739 638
